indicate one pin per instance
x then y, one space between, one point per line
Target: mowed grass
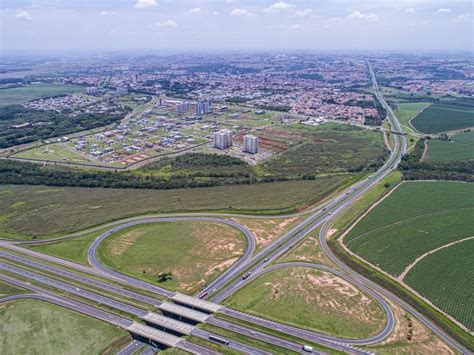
446 278
329 148
416 218
311 299
29 211
74 249
36 327
194 252
461 147
441 118
23 94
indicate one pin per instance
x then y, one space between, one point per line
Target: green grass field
31 92
405 111
416 218
441 118
74 249
35 327
54 152
24 212
194 252
461 147
313 300
446 278
329 148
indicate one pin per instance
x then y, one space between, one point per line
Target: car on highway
245 276
204 294
266 259
307 348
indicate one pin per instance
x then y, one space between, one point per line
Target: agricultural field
446 278
25 323
19 95
417 217
193 253
460 147
329 148
24 213
405 111
313 300
441 118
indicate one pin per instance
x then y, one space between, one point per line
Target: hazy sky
236 24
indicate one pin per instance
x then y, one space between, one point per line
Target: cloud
239 12
304 13
142 4
443 10
198 11
296 27
166 24
361 16
23 16
105 13
410 11
279 6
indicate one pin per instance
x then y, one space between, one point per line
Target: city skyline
236 25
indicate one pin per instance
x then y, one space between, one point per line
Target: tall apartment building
203 107
222 139
250 144
182 108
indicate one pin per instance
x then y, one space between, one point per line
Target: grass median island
25 214
24 325
311 299
181 256
7 289
446 278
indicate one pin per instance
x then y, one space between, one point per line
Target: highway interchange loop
256 264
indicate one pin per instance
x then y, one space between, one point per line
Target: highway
231 281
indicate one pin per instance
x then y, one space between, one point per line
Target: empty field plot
441 118
36 327
25 214
23 94
415 219
311 299
446 278
54 152
191 254
329 148
460 147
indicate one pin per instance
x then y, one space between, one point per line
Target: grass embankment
313 300
459 147
193 252
7 289
24 213
35 327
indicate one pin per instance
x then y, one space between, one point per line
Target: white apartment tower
250 144
222 139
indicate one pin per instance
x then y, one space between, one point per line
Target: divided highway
250 264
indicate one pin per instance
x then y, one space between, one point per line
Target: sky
412 25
